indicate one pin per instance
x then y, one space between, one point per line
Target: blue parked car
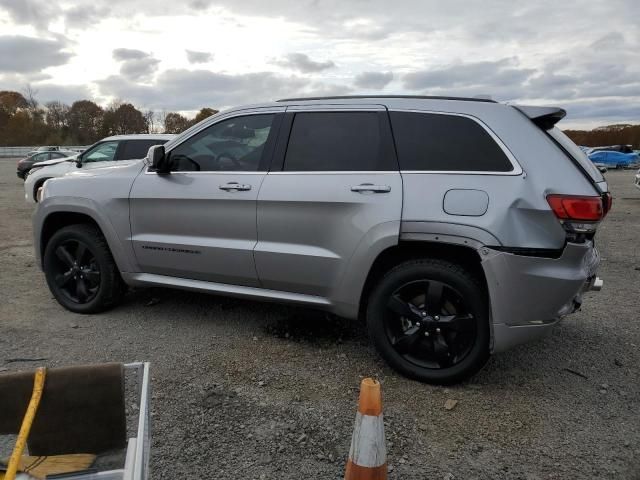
611 159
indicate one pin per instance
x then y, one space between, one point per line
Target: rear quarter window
441 142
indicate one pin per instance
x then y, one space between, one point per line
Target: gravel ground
253 390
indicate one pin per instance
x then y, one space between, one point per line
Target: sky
168 55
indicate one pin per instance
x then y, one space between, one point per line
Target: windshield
576 153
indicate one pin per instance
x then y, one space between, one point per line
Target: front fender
114 227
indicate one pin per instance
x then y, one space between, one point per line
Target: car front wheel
80 270
428 319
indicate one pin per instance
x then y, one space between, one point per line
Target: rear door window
134 149
338 141
441 142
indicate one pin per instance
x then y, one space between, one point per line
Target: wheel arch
51 217
464 254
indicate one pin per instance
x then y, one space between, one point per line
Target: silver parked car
456 227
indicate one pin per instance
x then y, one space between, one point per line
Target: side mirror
79 161
158 159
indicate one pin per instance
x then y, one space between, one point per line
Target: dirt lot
251 390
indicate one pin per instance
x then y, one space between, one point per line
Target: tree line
24 121
620 134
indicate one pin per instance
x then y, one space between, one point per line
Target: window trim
282 144
267 154
517 169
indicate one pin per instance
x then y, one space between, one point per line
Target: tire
94 267
434 341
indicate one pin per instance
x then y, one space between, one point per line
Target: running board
154 280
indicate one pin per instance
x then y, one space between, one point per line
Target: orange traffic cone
368 453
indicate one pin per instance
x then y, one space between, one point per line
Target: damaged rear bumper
529 295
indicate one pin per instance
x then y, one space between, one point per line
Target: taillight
570 207
578 214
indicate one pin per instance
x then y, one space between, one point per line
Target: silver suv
455 227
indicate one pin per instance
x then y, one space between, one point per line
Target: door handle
235 187
370 188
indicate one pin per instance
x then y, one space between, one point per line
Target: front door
335 188
199 221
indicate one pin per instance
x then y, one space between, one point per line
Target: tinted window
57 155
133 149
40 157
103 152
232 145
338 141
426 141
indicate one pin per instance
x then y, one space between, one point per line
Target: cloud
85 15
19 54
198 57
31 12
136 64
476 74
123 54
47 92
302 63
181 89
373 80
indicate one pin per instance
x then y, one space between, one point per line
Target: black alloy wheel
428 318
80 270
429 324
76 272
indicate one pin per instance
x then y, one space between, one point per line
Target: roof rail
423 97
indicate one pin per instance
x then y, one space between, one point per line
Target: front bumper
637 182
530 294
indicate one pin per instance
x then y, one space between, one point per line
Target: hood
118 166
55 161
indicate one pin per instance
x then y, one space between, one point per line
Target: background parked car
637 182
613 159
101 154
25 164
613 148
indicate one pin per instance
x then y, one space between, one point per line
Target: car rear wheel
428 319
80 270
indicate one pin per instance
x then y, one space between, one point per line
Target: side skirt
154 280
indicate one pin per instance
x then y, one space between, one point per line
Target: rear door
199 221
334 182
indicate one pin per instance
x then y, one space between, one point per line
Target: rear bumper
530 294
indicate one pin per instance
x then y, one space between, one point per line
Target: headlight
31 171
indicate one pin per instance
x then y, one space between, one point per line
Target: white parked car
637 182
104 153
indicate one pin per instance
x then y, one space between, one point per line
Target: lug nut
417 324
424 314
426 334
436 318
437 330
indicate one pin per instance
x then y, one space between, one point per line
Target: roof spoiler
544 117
